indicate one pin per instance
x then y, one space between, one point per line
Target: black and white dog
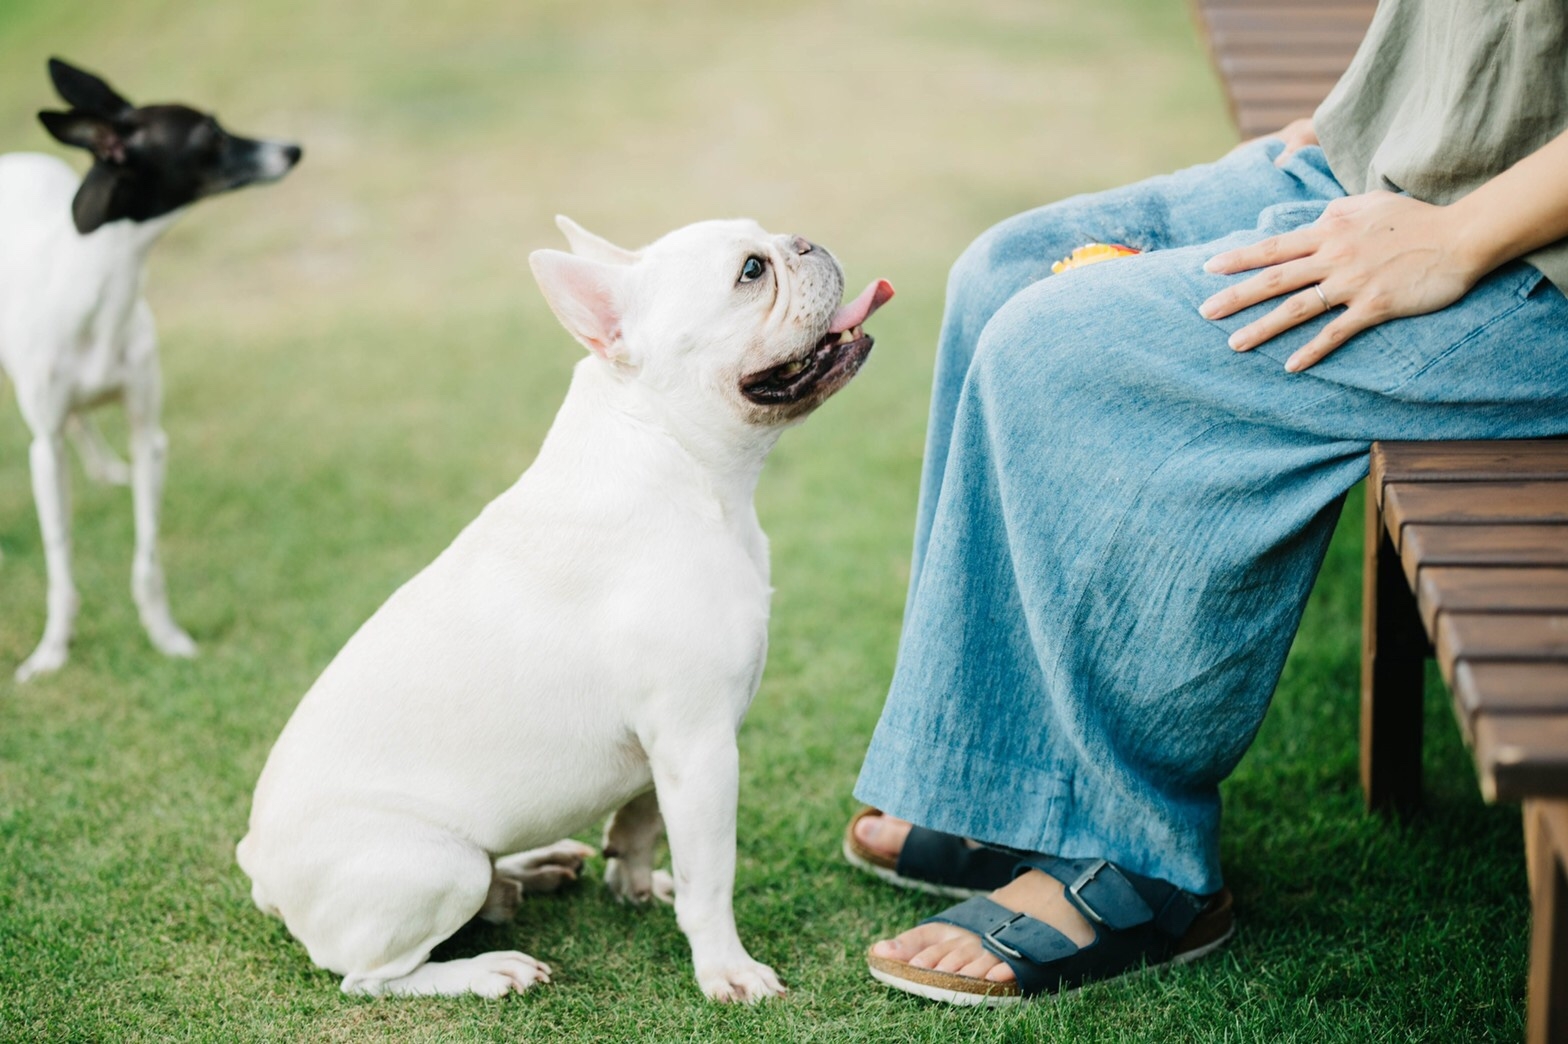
75 330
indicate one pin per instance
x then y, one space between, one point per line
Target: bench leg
1546 843
1393 660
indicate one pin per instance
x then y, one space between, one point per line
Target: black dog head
153 160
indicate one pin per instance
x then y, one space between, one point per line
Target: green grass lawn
357 360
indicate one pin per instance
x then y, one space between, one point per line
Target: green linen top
1444 94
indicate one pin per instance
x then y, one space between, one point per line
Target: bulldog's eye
752 269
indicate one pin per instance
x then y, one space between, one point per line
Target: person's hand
1378 256
1296 135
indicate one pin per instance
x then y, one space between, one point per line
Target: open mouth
830 363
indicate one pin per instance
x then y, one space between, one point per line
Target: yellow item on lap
1091 254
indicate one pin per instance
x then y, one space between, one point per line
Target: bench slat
1508 544
1509 689
1341 40
1462 503
1521 755
1453 589
1476 461
1501 637
1271 93
1295 65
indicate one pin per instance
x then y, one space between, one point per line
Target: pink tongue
859 310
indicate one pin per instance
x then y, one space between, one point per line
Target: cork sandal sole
1212 929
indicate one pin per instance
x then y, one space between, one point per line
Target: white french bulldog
588 645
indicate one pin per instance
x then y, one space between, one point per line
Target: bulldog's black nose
802 245
292 153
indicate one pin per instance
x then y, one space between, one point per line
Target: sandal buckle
1075 890
999 944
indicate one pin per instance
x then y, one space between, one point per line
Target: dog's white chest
71 311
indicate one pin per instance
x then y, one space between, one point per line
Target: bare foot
949 948
883 834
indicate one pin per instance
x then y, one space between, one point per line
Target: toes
1000 973
945 948
884 834
744 984
930 956
513 972
544 879
566 853
963 952
985 966
905 946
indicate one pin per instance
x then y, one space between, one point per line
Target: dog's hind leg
149 463
100 462
629 840
536 871
52 494
371 896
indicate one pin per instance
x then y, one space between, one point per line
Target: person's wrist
1475 242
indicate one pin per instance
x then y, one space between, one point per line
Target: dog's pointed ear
86 92
587 296
100 200
595 248
93 133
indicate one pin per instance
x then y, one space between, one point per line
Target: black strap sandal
1139 923
933 862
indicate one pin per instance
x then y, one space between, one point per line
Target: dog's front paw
638 884
46 659
171 640
744 982
629 883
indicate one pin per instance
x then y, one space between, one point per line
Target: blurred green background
357 360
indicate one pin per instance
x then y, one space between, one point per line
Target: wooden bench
1278 58
1467 559
1466 545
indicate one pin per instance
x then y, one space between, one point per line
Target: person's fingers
1328 340
1297 135
1271 251
1273 281
1293 144
1296 309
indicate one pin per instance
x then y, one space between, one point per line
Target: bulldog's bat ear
595 248
86 92
586 296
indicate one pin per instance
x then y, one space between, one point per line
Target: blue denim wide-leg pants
1120 517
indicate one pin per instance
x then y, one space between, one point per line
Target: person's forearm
1519 210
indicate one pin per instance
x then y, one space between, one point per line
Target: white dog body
75 330
59 287
667 630
591 640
